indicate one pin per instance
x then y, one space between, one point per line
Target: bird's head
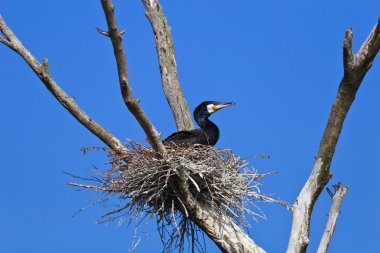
206 108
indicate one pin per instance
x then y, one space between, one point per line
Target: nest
146 186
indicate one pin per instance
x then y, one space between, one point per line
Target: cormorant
207 134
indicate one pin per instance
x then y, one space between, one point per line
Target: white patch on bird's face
210 108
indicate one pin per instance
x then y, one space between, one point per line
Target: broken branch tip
102 32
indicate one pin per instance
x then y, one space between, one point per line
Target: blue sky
281 61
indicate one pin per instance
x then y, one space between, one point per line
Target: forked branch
133 104
355 68
168 66
337 199
42 71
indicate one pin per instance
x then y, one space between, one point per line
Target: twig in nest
143 183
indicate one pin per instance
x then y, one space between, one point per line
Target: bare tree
221 227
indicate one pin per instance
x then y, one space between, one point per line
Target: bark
333 216
133 104
42 71
355 68
219 227
168 65
224 231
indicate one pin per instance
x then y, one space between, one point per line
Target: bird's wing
182 137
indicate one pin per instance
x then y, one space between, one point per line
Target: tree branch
223 230
333 216
42 71
168 65
133 105
355 68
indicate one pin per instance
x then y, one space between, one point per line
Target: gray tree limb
133 104
42 71
355 68
168 65
337 199
223 230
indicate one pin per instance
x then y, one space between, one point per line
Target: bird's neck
205 123
210 130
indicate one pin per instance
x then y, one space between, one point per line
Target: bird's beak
218 106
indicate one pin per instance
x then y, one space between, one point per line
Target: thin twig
209 186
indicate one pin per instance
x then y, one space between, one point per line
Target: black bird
208 134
